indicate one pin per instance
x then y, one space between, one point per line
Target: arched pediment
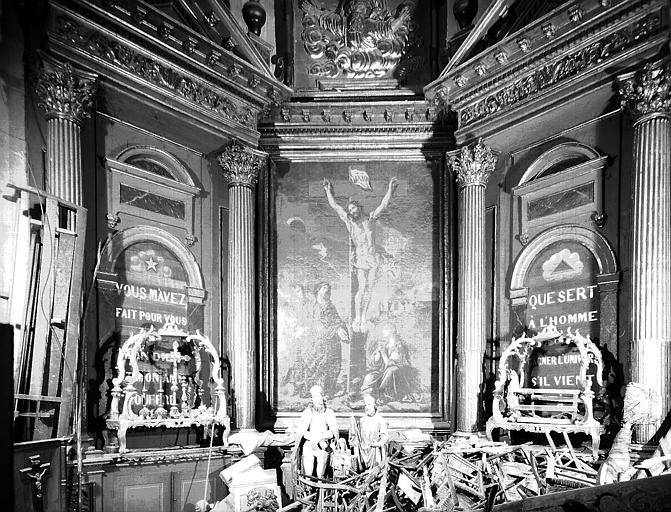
593 241
156 161
568 153
125 238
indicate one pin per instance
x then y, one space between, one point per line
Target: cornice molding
485 86
648 90
251 80
64 92
241 165
151 46
326 142
354 113
320 130
128 59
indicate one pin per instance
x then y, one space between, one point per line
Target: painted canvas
358 280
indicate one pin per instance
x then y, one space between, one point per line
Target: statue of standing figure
317 430
372 435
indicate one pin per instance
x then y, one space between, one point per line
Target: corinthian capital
648 90
473 167
64 92
241 165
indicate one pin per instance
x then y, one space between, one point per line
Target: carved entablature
359 39
354 113
555 49
161 57
301 130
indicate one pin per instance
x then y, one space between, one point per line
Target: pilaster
65 95
646 94
241 166
472 168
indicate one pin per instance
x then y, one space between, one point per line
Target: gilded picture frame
356 289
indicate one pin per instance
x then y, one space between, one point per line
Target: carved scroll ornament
359 39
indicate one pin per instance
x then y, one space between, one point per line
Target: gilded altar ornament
359 39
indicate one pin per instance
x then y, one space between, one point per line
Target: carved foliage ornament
63 91
553 73
359 39
125 58
473 167
647 91
241 165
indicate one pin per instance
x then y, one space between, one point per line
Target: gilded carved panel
343 44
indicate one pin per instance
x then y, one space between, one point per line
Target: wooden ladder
46 308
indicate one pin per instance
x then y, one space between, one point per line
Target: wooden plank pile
454 475
474 474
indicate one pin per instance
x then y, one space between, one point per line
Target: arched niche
606 278
127 237
113 285
127 301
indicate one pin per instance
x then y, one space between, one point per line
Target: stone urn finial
254 15
464 11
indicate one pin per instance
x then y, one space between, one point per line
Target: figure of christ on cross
175 357
364 256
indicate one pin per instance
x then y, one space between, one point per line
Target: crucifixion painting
357 278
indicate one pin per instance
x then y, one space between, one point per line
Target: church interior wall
591 117
388 132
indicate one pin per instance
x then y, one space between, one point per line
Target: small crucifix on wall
35 473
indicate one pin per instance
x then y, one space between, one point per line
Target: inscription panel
562 290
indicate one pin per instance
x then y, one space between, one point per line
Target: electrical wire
209 453
77 424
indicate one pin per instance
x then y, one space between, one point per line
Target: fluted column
646 94
66 95
241 166
473 168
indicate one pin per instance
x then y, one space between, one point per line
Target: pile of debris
473 474
458 474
